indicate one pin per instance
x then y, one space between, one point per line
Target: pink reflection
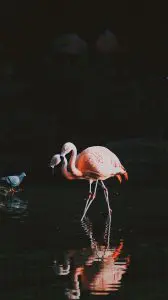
99 268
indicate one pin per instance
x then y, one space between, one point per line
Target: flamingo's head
66 148
55 160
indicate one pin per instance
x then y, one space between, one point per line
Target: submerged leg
108 231
106 197
91 200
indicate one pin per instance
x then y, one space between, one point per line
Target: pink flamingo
94 164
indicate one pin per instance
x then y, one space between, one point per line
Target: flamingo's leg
106 197
108 231
90 194
91 200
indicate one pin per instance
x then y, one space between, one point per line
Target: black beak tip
61 157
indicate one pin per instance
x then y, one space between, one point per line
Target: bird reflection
98 269
13 205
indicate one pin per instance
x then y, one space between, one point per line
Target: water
48 253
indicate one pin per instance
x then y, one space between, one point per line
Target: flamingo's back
98 160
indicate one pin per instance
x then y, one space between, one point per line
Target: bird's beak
61 157
126 175
52 166
53 171
119 178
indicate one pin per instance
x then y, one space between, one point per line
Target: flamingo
95 164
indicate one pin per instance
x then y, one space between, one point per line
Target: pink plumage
95 163
99 162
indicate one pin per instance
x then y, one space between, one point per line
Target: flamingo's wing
98 163
91 174
94 162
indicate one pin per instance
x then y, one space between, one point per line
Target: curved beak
52 166
62 157
53 171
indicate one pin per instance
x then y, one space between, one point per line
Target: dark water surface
47 253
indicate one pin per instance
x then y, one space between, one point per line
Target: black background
42 107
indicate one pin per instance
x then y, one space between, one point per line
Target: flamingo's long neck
65 171
76 172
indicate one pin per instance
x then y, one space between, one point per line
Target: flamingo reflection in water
99 268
